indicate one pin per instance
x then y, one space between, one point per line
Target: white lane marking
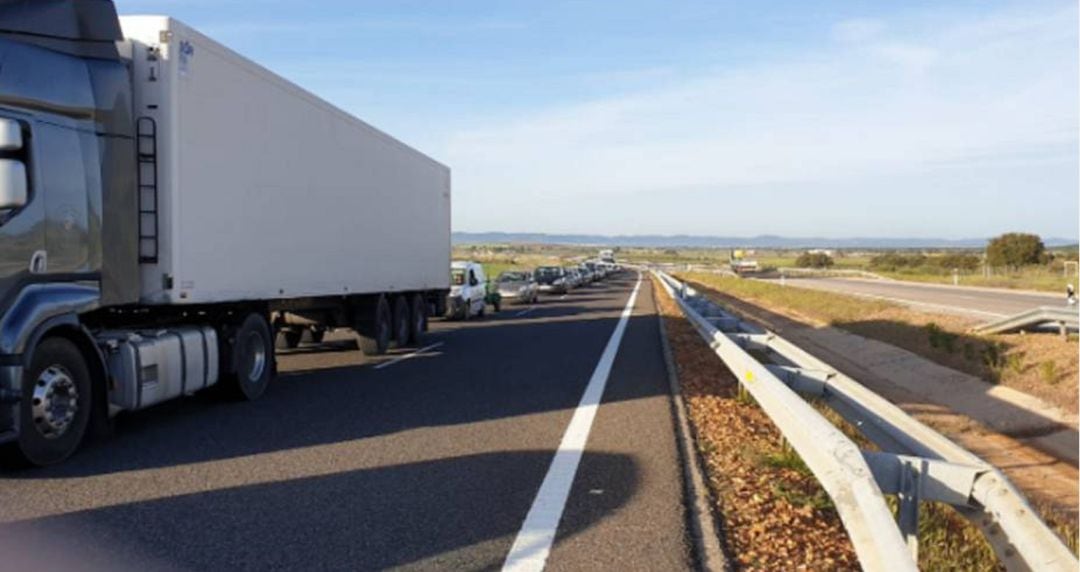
525 311
533 543
409 355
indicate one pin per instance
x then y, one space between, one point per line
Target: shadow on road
381 517
489 370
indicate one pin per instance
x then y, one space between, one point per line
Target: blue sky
839 119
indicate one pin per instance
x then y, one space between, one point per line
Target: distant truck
607 255
166 205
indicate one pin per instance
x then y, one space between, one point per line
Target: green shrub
893 261
814 260
1015 249
960 261
1048 371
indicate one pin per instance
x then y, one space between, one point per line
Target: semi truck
167 206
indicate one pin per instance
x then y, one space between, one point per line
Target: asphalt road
428 462
984 303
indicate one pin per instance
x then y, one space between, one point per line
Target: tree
1015 249
814 260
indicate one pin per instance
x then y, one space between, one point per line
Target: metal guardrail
916 463
1064 317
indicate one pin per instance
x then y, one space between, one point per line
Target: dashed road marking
408 355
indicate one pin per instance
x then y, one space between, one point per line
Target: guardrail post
909 495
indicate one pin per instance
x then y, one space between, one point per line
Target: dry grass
1015 360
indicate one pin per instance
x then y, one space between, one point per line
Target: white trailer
265 191
168 208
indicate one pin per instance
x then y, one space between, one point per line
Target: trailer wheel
253 358
375 333
55 406
401 321
317 335
418 323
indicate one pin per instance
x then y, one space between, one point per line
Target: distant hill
763 241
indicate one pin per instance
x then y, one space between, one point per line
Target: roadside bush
962 261
893 261
814 260
1015 249
1048 371
940 339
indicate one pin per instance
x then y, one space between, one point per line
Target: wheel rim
55 401
254 356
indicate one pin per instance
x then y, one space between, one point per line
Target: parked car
468 291
587 273
598 268
574 277
517 286
552 279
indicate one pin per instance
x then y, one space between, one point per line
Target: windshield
548 271
457 277
512 277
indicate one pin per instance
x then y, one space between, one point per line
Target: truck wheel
401 321
317 335
253 358
375 333
55 406
417 319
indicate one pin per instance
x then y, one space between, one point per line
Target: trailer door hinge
167 281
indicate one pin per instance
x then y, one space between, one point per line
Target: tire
483 308
418 323
497 306
375 332
401 321
55 408
317 335
252 358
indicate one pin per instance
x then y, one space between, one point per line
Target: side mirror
12 184
10 135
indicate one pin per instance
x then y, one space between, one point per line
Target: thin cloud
888 101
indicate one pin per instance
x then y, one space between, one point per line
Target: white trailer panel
265 191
